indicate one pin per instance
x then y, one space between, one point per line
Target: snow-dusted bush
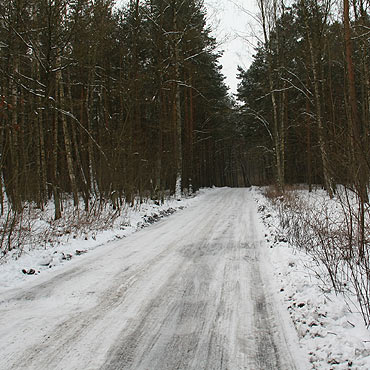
335 232
34 228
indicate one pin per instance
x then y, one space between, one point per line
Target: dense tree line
305 118
110 103
305 98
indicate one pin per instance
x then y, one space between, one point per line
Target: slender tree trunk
56 196
158 160
283 120
361 177
177 107
76 147
14 141
67 139
276 135
351 74
41 137
309 152
90 150
320 125
191 134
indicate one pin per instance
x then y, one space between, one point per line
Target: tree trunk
14 141
361 175
277 139
191 134
67 139
308 143
177 108
41 137
90 151
56 197
321 131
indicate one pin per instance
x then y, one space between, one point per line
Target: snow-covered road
193 291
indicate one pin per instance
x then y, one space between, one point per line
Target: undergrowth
334 233
35 228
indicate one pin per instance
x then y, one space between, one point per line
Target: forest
108 108
111 102
304 117
305 111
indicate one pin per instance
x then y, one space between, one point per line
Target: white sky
234 27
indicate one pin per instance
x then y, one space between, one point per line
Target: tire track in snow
186 293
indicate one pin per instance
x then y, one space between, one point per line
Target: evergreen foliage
318 137
110 103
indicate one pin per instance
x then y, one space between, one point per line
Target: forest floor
214 286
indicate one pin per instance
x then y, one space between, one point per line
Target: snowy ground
192 291
213 286
46 258
331 331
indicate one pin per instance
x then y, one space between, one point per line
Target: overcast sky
235 28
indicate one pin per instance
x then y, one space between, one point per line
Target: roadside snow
191 292
330 329
15 269
331 333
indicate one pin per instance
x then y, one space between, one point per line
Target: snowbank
331 331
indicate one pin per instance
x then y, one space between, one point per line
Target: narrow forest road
190 292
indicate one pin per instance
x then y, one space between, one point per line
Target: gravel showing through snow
193 291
